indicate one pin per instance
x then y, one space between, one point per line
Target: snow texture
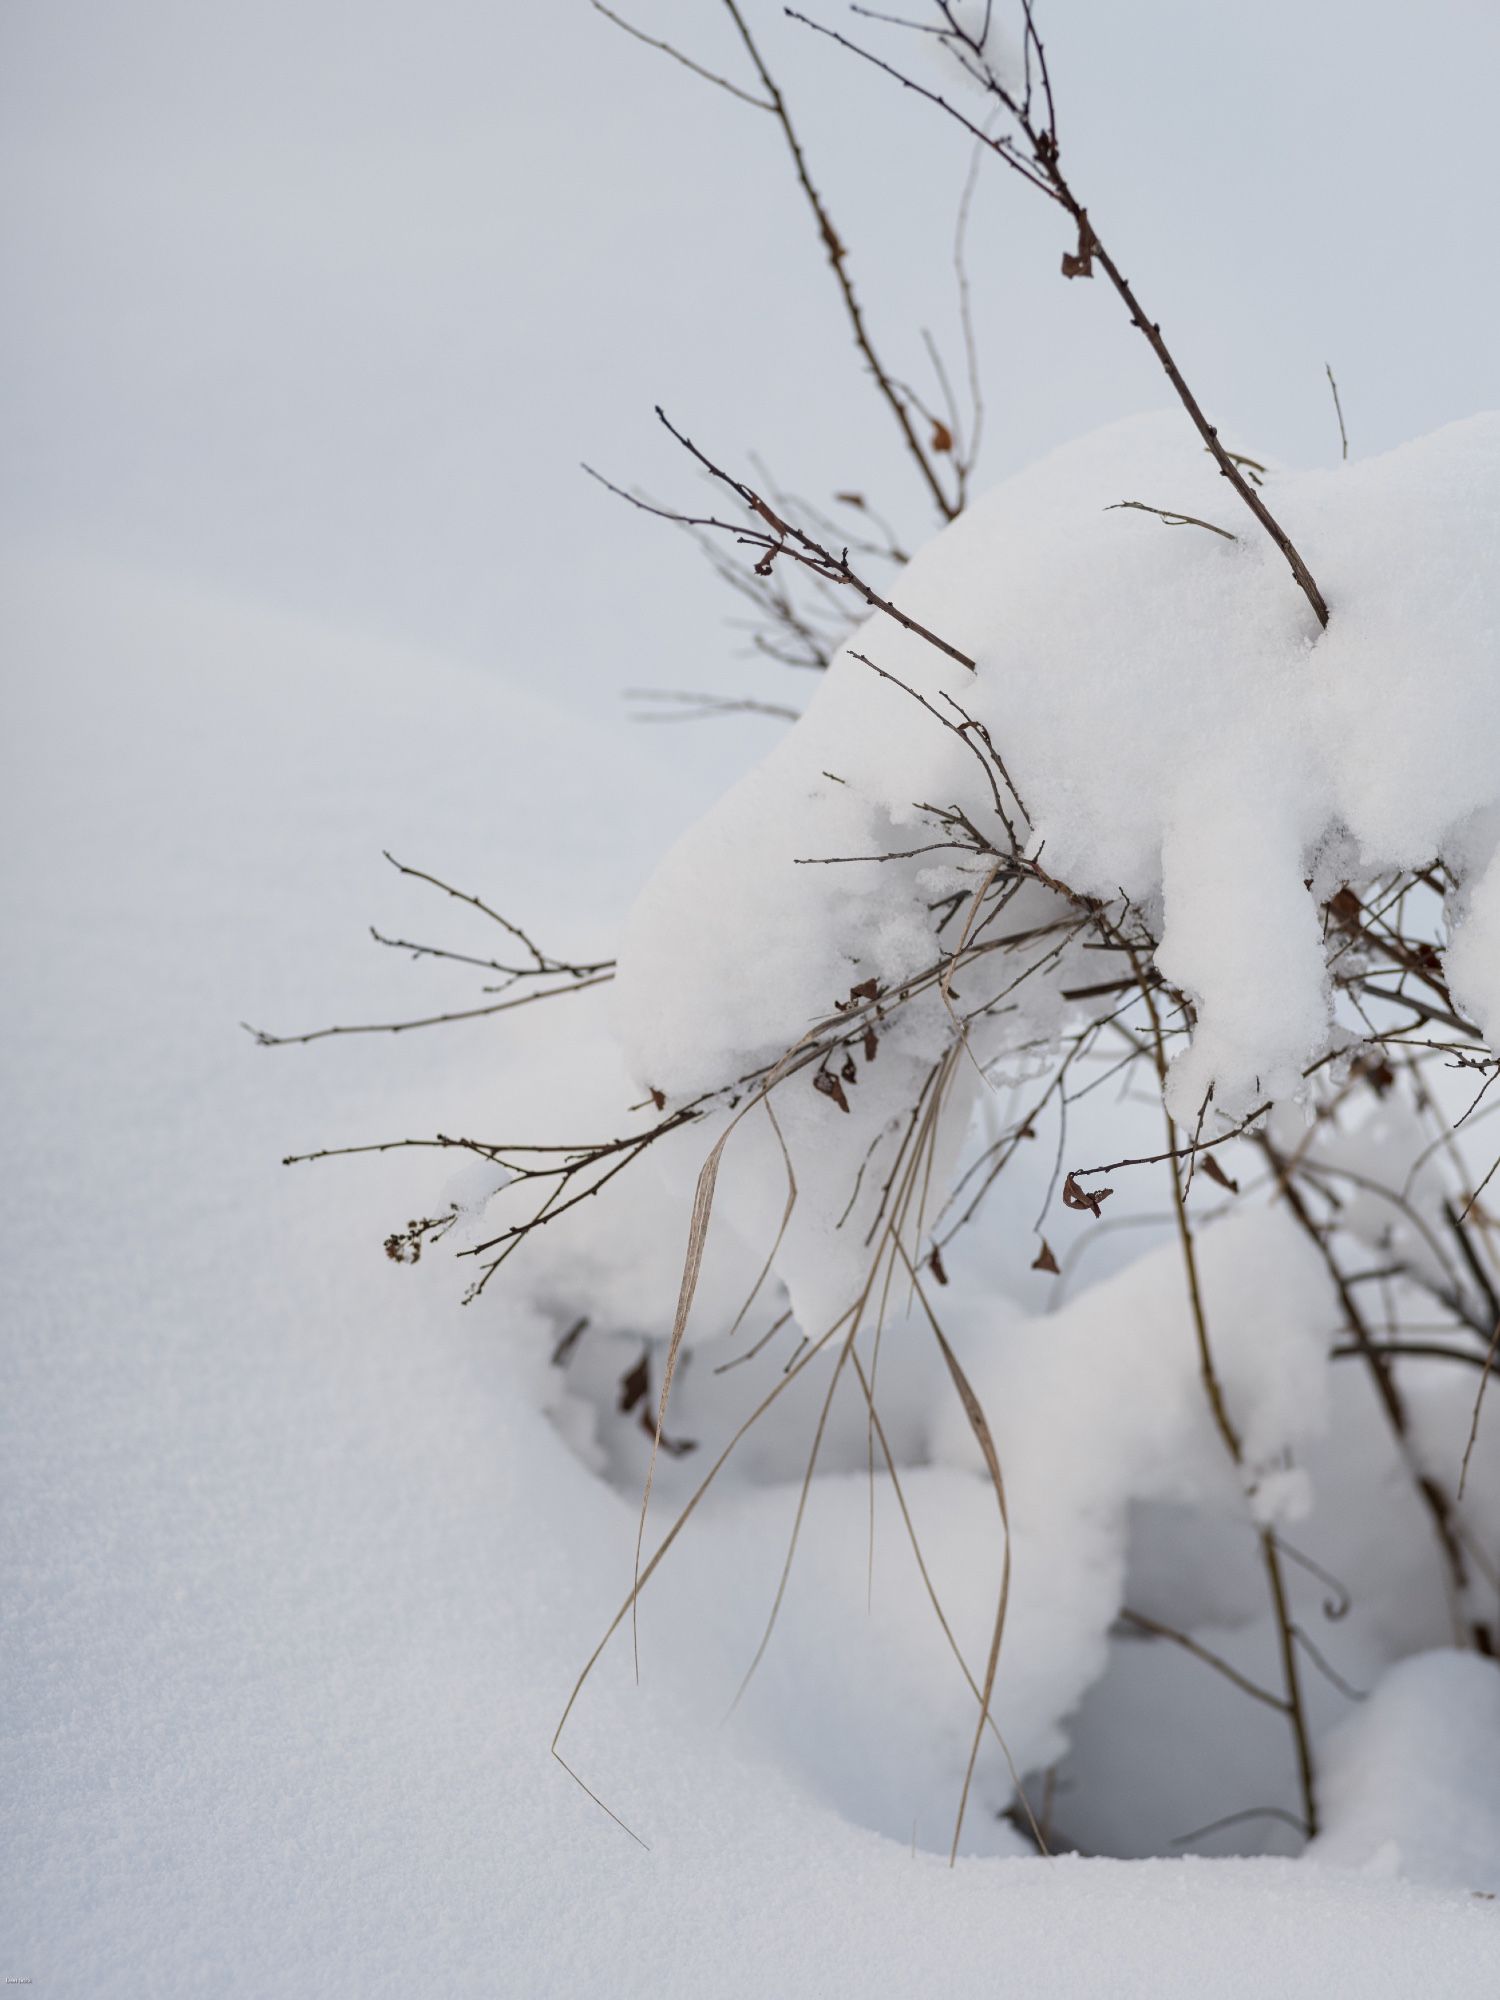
1177 726
299 1571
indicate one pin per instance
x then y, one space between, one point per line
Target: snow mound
1100 1407
1412 1780
301 1574
1178 727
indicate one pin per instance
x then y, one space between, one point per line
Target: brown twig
1172 520
1037 161
780 538
1434 1499
833 244
667 49
1338 411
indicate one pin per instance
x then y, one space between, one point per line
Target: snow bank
298 1573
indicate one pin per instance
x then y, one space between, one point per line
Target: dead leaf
1087 1198
942 437
1079 263
675 1447
830 1086
1044 1259
935 1264
563 1352
1376 1072
1215 1172
635 1387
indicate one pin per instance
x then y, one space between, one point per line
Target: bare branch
666 48
1172 520
784 540
833 244
1338 411
1034 155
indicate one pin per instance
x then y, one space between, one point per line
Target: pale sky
323 303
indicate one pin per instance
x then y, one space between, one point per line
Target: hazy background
322 303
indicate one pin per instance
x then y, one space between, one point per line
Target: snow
1100 1407
1184 741
300 1561
1429 1737
1473 958
300 1573
1178 728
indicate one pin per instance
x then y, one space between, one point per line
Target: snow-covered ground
298 1574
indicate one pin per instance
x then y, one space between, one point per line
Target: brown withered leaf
1376 1072
1085 1198
659 1098
635 1385
830 1086
1079 263
942 437
562 1353
935 1265
1215 1172
850 499
1345 908
872 1043
405 1245
867 989
1044 1259
675 1447
849 1073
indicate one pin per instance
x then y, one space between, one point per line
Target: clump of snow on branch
1181 736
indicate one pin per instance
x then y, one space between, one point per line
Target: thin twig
1038 163
666 48
1338 410
1172 520
833 244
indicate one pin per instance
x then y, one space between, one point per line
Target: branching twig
779 538
1035 156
